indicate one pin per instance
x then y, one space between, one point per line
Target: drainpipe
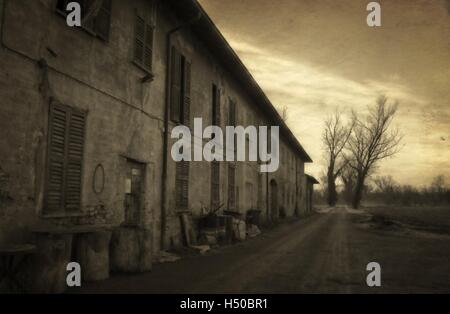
166 123
2 26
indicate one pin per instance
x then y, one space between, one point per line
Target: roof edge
240 69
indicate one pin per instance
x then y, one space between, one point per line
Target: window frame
62 211
89 30
148 23
183 77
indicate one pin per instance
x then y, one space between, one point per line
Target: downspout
166 124
2 26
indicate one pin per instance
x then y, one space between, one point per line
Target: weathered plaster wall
124 116
124 120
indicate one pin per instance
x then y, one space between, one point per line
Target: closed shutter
182 186
186 92
216 106
232 122
139 38
215 166
215 185
56 158
143 43
65 159
75 151
231 187
175 108
232 114
148 50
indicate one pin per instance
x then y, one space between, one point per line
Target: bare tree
372 140
385 184
438 184
335 137
348 177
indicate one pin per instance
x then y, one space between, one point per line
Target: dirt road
325 253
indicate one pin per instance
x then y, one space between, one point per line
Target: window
215 105
215 166
232 122
143 44
215 185
180 113
231 187
65 159
95 14
232 113
182 186
180 88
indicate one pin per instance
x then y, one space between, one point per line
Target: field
432 219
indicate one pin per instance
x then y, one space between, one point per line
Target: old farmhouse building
86 116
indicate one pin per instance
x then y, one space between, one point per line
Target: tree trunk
357 196
332 195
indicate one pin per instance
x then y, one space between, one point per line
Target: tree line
384 190
355 147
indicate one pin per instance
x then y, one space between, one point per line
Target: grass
430 218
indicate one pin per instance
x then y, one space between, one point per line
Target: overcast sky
315 55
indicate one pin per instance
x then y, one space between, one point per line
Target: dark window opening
134 183
180 88
97 12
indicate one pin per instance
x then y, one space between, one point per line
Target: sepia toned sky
313 56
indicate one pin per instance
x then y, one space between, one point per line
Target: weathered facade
86 115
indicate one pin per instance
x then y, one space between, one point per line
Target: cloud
310 94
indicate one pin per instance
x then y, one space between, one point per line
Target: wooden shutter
182 186
232 114
143 43
139 38
186 92
215 185
148 49
232 122
175 108
102 22
58 119
65 159
216 106
231 187
75 152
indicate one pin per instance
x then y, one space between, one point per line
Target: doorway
134 182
